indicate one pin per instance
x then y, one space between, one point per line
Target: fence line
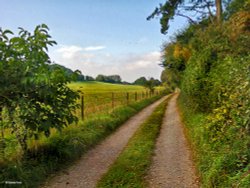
105 102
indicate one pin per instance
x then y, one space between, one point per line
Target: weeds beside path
89 169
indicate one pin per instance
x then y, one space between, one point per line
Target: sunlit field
101 87
99 97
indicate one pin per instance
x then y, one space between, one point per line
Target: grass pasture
101 87
102 97
99 98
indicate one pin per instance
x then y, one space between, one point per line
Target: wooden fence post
127 98
113 100
82 106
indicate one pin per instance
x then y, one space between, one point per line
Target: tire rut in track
172 165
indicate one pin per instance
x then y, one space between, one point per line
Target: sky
96 36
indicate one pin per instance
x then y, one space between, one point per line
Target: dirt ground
90 168
172 164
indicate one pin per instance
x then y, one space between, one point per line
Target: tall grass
62 148
220 164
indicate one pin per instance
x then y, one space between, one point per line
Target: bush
215 101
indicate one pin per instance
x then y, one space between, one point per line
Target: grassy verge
131 166
62 148
223 163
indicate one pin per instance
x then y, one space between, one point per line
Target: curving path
89 169
172 164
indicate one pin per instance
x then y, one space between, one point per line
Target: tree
156 82
68 73
89 78
140 81
114 79
218 5
171 8
33 97
100 78
236 6
149 84
109 79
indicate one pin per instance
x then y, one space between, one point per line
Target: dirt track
89 169
172 164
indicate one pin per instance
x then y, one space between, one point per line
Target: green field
47 155
99 99
102 97
101 87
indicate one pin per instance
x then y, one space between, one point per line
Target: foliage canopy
33 97
201 8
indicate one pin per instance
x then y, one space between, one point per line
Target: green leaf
44 31
21 30
31 85
16 40
5 32
45 26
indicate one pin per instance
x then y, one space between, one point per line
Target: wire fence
94 103
91 104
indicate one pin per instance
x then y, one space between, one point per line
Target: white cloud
128 66
69 51
94 48
142 61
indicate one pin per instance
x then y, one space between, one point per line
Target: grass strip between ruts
131 166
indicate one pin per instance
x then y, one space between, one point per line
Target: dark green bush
215 100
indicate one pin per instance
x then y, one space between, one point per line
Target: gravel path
172 164
90 168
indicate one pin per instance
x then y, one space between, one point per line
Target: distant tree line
143 81
109 79
77 75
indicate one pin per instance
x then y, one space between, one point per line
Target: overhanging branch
185 16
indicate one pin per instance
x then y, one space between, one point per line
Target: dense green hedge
215 94
215 101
